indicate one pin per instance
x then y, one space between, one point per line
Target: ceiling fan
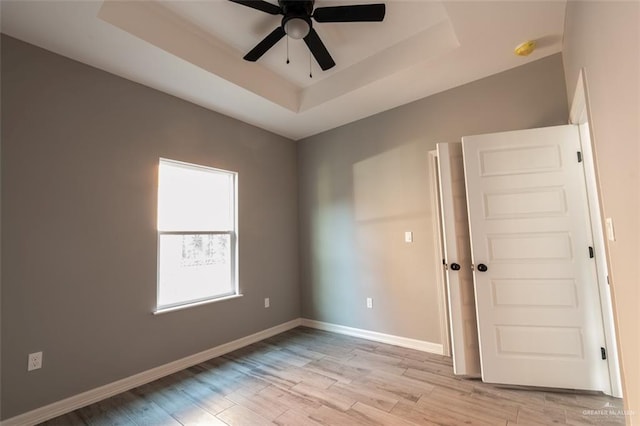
297 24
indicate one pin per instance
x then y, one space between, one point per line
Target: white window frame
233 239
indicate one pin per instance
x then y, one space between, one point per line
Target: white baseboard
67 405
405 342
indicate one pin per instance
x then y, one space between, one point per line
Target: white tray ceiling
194 49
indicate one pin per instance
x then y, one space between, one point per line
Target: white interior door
538 308
457 250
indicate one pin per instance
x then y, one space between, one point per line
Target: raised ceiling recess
194 50
216 35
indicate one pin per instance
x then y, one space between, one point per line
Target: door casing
580 115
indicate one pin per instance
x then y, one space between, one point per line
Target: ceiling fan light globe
297 28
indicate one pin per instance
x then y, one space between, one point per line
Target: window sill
191 305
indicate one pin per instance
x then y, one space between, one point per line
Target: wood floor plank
259 403
376 362
462 403
292 400
275 376
367 395
325 397
104 413
286 358
313 378
292 375
544 415
143 412
234 381
396 386
307 377
303 352
373 416
339 352
295 418
528 398
388 390
337 370
330 416
508 408
436 414
172 400
206 397
241 416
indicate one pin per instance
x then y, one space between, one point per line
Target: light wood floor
310 377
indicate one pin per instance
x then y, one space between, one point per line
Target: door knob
482 267
455 266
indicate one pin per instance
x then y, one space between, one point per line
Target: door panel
462 315
539 317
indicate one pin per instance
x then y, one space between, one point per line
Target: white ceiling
194 49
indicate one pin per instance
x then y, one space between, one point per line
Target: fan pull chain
310 73
287 49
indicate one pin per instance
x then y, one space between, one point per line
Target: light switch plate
408 237
611 236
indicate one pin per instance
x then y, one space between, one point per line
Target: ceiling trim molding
151 22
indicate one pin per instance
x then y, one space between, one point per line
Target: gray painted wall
604 38
80 149
361 186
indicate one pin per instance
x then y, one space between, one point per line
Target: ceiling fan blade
261 5
353 13
319 51
266 44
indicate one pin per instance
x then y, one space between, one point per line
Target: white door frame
580 115
439 251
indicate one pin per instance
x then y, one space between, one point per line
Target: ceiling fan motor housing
296 14
296 27
297 8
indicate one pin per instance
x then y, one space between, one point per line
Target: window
197 234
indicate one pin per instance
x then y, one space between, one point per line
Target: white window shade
192 198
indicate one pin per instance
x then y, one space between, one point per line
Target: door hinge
603 353
579 156
591 252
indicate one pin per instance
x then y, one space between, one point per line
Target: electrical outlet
267 303
369 303
35 361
